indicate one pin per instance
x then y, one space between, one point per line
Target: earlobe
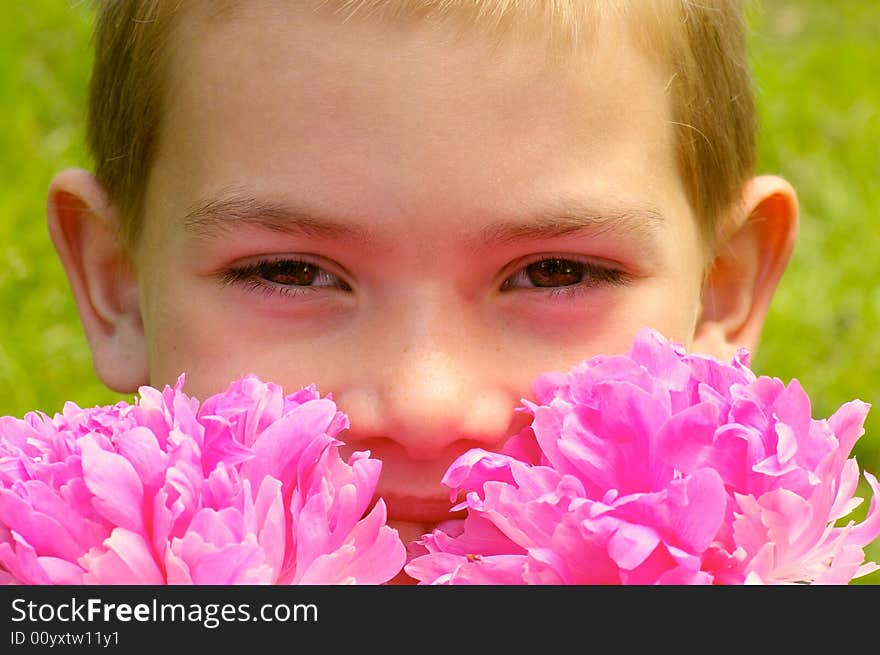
83 227
749 263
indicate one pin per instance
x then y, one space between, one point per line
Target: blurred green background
816 65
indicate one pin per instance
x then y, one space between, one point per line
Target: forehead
405 115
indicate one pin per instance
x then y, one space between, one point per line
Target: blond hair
702 44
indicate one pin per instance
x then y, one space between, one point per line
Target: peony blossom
247 487
659 467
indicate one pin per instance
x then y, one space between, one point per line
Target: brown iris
290 273
555 273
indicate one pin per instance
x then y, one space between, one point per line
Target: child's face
416 224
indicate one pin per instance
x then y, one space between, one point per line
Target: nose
426 383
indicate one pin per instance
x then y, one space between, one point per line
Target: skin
433 175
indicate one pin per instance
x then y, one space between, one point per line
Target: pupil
292 273
554 273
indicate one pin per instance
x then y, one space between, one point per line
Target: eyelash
594 275
253 276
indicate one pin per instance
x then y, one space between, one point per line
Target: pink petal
630 545
869 529
127 559
271 527
373 554
115 484
43 533
686 439
696 524
847 424
22 562
279 445
218 527
232 564
141 448
61 571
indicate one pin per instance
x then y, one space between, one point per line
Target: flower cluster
659 467
247 487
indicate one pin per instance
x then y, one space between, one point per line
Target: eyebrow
572 219
218 215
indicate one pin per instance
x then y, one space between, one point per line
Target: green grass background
816 65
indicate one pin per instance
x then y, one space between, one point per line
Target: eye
283 275
557 272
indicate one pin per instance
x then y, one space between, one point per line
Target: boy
417 206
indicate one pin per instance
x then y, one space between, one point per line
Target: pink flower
659 467
248 488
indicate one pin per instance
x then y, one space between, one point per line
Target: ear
747 267
83 228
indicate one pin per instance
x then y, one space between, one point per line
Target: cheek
213 347
208 358
672 313
186 335
667 304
